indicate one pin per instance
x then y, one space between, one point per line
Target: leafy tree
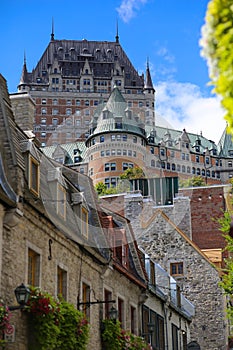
102 189
216 43
195 181
133 173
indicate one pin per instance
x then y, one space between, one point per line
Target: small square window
176 269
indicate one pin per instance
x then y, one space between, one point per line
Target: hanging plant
5 325
115 338
55 323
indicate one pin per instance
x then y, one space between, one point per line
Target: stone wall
166 244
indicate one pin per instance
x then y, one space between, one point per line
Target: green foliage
111 335
115 338
195 181
133 173
55 324
216 42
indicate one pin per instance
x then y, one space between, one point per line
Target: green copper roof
225 144
115 116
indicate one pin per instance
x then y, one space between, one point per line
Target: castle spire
23 78
52 34
117 36
148 82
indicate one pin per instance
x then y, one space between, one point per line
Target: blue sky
165 31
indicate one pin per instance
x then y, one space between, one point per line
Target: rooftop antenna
117 36
52 34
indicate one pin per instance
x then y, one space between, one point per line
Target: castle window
152 150
119 152
203 172
187 156
152 163
197 159
107 182
118 125
55 111
183 169
113 166
213 173
168 166
34 176
193 171
102 153
134 154
230 164
78 103
188 169
134 139
129 153
178 167
118 137
62 282
140 104
43 121
43 111
113 137
173 167
55 121
124 137
198 171
87 103
176 269
107 152
106 166
208 173
113 181
124 152
183 156
68 111
55 101
44 101
33 268
68 102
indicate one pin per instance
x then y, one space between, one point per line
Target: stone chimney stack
23 108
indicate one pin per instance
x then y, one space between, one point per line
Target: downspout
166 327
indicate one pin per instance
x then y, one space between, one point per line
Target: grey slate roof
102 57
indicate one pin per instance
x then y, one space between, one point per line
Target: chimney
23 108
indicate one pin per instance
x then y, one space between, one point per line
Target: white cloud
128 8
183 105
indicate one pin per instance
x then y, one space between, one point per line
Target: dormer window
34 176
61 201
84 219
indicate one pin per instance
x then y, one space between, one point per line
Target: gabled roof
158 213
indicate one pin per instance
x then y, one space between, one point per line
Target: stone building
192 271
54 235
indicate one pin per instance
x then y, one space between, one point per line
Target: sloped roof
115 111
72 54
225 144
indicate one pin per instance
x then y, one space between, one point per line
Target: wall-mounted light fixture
113 314
22 294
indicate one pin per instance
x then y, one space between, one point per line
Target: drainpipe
166 327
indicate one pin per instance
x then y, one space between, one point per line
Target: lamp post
22 294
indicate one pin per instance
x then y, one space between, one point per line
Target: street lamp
22 294
113 314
